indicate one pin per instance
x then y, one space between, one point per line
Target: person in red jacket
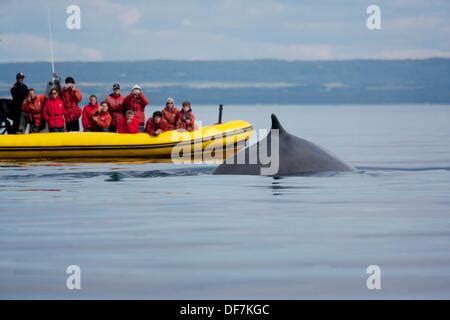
53 112
32 106
170 113
102 118
185 118
136 101
88 111
157 124
71 96
128 124
115 100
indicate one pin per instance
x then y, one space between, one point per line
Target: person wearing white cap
170 113
136 101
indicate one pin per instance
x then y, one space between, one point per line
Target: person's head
53 94
70 82
20 77
104 105
31 93
170 103
186 106
157 116
129 115
136 90
116 89
93 100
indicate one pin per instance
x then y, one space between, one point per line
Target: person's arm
78 95
133 126
45 112
144 100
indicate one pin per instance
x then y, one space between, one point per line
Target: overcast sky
224 29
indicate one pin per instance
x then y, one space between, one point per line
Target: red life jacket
151 126
171 116
86 120
71 98
137 104
182 124
33 108
115 107
124 127
53 113
103 121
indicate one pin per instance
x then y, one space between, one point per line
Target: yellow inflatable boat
99 146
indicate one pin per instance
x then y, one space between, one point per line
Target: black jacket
18 92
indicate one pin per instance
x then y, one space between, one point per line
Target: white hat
136 86
170 100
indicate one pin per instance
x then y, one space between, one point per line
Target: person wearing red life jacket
53 112
71 96
88 111
136 101
157 124
32 106
128 123
186 118
101 118
115 100
170 113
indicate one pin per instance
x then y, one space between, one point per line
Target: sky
224 30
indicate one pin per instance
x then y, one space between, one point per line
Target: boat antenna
51 41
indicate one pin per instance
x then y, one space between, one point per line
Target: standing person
102 118
186 118
19 92
88 111
115 100
128 124
136 101
53 112
32 106
71 96
170 113
157 124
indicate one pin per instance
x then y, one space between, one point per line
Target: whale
292 156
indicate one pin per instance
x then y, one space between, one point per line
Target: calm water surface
163 231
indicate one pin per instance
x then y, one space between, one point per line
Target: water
165 231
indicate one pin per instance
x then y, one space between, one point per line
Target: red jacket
151 126
86 120
137 104
115 107
170 116
181 123
33 109
71 99
103 121
124 127
53 113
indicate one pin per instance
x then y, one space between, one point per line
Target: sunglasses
53 93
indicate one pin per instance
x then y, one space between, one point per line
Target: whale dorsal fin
276 124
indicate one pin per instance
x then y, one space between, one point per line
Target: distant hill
257 81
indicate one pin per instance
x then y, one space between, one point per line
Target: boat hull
89 146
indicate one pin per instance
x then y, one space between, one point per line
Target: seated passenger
32 106
157 124
88 111
53 112
185 118
128 124
170 113
102 118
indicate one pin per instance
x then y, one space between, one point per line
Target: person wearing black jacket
19 92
